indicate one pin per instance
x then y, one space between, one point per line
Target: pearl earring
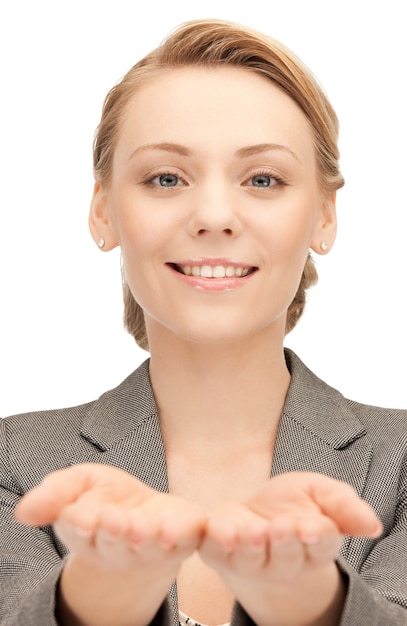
324 246
101 242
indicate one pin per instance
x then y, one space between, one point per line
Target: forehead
219 106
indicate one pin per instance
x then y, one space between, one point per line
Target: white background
61 335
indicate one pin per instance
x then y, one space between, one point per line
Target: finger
113 521
219 540
296 491
321 539
252 530
182 530
43 504
287 556
142 529
339 501
312 527
87 518
110 551
222 530
236 539
324 550
76 540
100 547
83 514
251 551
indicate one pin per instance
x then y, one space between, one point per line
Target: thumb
43 504
339 501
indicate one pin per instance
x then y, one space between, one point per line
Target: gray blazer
320 431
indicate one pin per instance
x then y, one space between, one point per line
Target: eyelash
279 182
148 182
267 173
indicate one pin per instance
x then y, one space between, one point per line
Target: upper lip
213 262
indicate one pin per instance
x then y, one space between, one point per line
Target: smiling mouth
213 271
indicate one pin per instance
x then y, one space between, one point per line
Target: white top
184 620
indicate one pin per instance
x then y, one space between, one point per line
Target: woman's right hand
112 519
126 542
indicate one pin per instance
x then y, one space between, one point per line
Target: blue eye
168 180
262 180
162 181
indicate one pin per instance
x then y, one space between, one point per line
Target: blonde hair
213 43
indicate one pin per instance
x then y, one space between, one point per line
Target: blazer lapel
124 427
319 432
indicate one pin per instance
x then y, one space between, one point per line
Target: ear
100 220
325 231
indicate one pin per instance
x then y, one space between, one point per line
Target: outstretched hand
294 522
112 519
280 545
272 550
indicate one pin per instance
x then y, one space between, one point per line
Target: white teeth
217 271
206 271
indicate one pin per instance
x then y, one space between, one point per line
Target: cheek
142 222
143 239
287 234
138 234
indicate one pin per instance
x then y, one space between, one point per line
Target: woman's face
214 203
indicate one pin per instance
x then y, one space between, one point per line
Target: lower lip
213 284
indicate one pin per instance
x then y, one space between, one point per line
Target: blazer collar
318 430
320 409
121 411
124 427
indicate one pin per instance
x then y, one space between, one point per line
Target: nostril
227 231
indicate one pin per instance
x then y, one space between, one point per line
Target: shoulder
377 419
68 420
325 404
37 443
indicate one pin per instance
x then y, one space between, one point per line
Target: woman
222 481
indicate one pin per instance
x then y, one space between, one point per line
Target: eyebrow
264 147
166 147
247 151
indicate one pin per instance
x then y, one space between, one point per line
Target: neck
229 393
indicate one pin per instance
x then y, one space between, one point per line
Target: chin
215 329
216 335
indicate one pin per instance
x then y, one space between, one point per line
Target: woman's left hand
279 546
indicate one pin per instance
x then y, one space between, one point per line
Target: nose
214 211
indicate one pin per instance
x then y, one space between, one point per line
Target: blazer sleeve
30 563
364 604
367 604
377 591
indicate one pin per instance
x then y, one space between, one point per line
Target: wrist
316 599
93 596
